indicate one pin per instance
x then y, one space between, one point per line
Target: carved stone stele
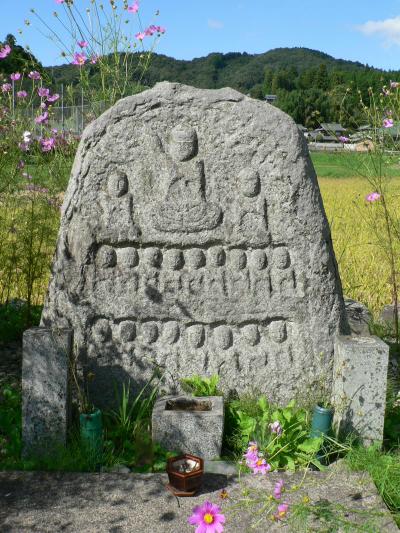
193 237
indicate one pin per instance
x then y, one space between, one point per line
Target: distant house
329 132
270 98
333 129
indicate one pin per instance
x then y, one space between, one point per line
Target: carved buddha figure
184 207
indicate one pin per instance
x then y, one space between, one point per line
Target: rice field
363 265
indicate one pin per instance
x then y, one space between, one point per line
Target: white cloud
215 24
389 29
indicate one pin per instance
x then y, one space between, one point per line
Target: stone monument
193 239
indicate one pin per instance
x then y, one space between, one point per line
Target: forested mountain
310 84
19 59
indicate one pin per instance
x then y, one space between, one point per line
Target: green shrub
200 386
14 319
291 447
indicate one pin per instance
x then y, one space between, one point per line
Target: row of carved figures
195 335
193 258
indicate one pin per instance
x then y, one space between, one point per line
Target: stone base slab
97 503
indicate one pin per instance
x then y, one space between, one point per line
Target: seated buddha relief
184 206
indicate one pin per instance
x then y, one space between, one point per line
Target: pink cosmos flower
94 59
22 94
15 76
79 59
150 30
43 92
160 29
59 1
24 146
208 518
282 511
21 164
140 36
83 44
251 458
275 427
394 84
134 8
6 87
278 489
48 144
388 123
34 75
260 466
344 139
53 98
372 197
5 51
42 119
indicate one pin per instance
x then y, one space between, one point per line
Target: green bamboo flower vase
321 421
91 430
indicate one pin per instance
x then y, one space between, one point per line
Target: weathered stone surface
359 386
131 503
358 317
196 432
193 237
45 366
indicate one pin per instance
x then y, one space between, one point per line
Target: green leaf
263 404
288 415
291 465
311 445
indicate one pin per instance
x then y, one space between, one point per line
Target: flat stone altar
193 239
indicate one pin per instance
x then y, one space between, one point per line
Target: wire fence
71 118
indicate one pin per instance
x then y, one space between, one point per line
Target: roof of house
332 126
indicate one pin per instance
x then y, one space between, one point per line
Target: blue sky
359 30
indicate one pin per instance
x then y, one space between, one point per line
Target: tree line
311 86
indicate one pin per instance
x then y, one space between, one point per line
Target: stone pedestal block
189 424
45 364
359 387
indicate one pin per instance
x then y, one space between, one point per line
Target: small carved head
195 335
153 257
183 143
171 332
223 337
101 330
249 182
107 257
251 334
281 258
149 332
128 257
195 258
118 184
127 331
238 259
173 259
258 259
277 331
216 256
